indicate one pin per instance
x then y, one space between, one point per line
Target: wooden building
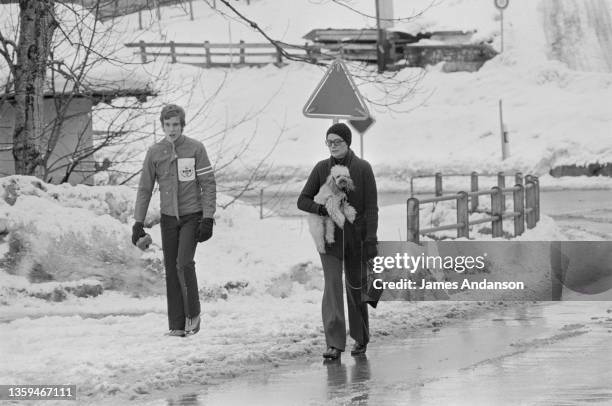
454 48
75 131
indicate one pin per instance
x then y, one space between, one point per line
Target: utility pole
380 41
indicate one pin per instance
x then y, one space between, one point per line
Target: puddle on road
545 354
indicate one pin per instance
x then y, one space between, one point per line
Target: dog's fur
332 195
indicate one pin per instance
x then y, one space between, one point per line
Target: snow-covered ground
80 305
96 315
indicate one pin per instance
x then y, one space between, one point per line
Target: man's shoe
331 353
359 349
176 333
192 325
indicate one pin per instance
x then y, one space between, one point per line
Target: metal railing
526 207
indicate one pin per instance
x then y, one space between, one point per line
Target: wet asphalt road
544 354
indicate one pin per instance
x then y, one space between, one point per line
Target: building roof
105 83
354 35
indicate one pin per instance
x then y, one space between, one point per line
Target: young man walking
188 200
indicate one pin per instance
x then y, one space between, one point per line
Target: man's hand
137 231
370 249
323 211
205 229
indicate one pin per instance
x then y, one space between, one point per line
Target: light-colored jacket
185 176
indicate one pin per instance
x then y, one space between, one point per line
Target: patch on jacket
186 169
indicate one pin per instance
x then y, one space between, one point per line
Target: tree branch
278 44
342 3
4 51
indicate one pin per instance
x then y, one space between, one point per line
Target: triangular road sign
336 96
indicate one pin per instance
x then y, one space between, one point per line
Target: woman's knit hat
342 130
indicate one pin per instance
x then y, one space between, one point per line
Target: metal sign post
501 19
362 126
361 145
505 140
501 6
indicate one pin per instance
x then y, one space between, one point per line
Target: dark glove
205 229
144 242
323 211
370 249
137 231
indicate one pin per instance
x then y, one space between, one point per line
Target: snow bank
64 233
69 233
102 318
62 243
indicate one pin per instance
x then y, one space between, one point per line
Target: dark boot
331 353
359 349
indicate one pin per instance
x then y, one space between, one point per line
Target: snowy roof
105 68
111 82
100 89
352 34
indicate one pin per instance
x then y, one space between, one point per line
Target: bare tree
81 45
36 27
61 64
31 64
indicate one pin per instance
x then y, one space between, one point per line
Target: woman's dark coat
363 199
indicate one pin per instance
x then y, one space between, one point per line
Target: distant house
359 44
402 49
75 131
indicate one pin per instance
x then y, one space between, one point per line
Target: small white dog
332 195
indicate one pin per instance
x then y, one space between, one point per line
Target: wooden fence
211 55
526 207
206 54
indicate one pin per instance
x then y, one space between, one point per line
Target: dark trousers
333 302
179 245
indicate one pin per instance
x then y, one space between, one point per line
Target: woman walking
353 245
